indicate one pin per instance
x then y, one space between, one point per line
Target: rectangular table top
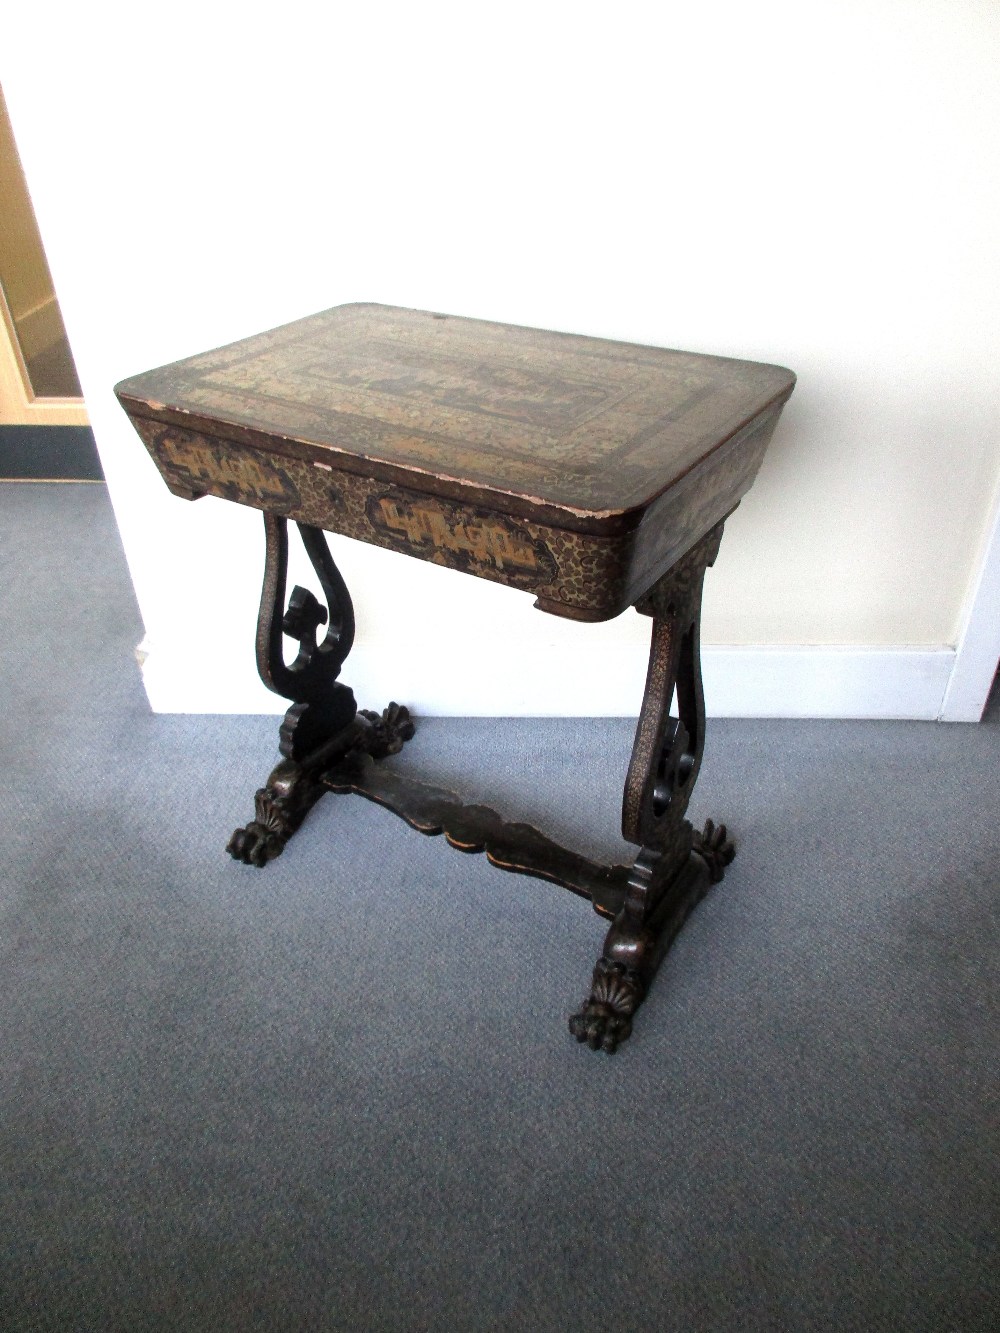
579 423
430 433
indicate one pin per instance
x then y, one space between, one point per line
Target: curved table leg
675 865
323 723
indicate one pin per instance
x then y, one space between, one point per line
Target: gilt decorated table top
576 468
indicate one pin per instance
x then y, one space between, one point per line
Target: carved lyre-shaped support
675 865
323 722
320 708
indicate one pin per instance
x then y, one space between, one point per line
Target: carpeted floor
340 1093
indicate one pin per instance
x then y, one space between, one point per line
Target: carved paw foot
265 836
606 1018
716 847
388 732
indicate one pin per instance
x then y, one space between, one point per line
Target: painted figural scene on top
594 475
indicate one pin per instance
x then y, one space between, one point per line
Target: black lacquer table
595 475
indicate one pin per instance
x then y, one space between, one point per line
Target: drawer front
579 575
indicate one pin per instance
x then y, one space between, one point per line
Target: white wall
812 184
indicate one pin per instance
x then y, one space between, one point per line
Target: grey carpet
49 453
340 1093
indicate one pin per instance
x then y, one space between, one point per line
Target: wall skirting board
979 640
791 682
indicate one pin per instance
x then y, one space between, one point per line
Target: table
594 475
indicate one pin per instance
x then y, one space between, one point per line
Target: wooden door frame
19 406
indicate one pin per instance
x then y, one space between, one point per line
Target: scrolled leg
323 723
675 865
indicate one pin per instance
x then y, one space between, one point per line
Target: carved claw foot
279 809
265 836
253 845
388 732
606 1018
716 847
